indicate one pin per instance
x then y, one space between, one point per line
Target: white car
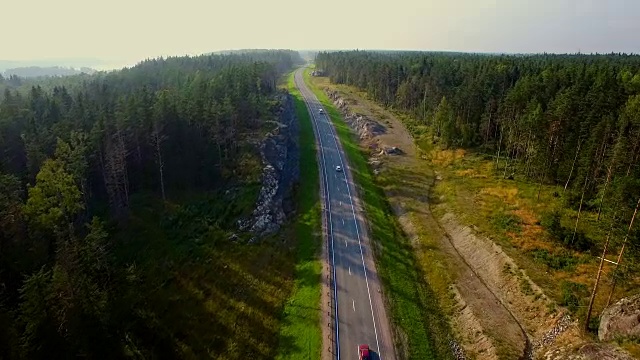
321 111
338 168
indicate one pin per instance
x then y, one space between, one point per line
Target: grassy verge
300 333
421 331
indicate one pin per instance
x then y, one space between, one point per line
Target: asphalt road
359 307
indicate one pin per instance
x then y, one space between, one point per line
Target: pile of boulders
339 102
550 336
457 351
365 127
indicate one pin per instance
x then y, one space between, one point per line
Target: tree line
72 157
50 71
566 120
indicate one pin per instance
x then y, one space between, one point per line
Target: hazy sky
125 31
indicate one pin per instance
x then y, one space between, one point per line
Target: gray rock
593 351
550 336
456 350
393 151
280 158
621 320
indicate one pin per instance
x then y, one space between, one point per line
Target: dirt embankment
496 310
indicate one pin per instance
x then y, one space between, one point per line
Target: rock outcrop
621 319
280 158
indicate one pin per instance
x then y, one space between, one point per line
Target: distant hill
48 62
38 71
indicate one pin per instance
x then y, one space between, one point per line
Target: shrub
578 242
573 295
551 222
563 260
508 222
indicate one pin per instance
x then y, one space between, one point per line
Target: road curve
359 310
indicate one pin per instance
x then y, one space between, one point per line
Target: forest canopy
571 120
74 155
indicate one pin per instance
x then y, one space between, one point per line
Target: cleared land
465 221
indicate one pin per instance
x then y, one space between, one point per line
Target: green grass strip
413 307
300 333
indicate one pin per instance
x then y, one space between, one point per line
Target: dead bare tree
548 161
632 157
624 243
499 148
424 103
598 275
604 191
573 165
506 158
575 229
157 138
115 168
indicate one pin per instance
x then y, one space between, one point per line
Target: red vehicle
363 352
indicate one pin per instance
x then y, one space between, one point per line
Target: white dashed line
354 305
349 270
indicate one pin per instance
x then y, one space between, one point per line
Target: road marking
345 242
353 212
354 305
340 203
349 270
328 195
342 221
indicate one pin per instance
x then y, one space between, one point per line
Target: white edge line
327 200
333 131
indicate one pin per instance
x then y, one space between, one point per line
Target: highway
359 310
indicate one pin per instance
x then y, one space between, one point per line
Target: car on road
339 168
363 352
321 111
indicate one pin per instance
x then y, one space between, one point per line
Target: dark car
363 352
